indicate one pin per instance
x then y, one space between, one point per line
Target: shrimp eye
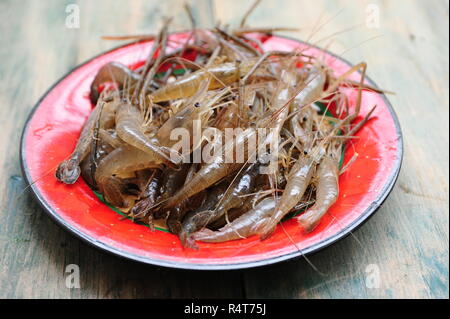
197 104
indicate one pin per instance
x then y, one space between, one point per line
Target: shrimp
178 179
221 75
122 161
228 118
227 200
327 189
175 217
212 172
112 72
231 215
110 138
108 116
198 108
241 186
310 93
68 170
298 180
148 197
244 226
88 164
172 181
130 129
128 149
301 126
326 194
198 218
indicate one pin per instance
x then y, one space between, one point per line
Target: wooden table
407 240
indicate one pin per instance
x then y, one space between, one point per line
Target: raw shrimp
228 118
309 94
326 194
212 172
298 180
130 129
148 197
110 138
175 217
228 198
69 170
231 215
112 72
121 161
242 227
88 165
198 108
172 181
221 76
242 185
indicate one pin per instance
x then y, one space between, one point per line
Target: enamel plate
54 125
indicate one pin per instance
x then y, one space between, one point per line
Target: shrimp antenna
301 252
50 170
249 11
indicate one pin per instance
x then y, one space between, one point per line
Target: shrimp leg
326 194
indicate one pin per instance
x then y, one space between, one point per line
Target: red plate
54 125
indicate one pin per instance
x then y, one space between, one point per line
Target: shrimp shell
111 72
129 129
298 181
212 172
326 194
242 227
69 170
221 75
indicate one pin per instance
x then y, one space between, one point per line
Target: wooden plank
407 240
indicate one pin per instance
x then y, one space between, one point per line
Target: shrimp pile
219 80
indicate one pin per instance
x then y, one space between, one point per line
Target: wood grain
407 239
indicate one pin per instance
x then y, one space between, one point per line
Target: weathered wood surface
407 240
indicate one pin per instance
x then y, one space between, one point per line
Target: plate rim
343 233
